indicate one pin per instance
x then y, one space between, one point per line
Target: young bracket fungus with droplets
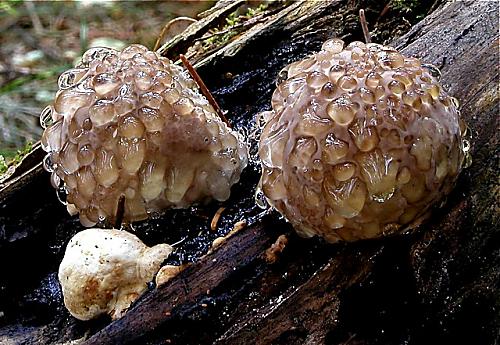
134 124
361 142
103 271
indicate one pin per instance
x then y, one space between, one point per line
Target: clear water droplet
382 197
334 45
252 141
66 80
62 194
260 199
433 70
48 165
55 181
153 214
46 117
465 145
282 76
93 54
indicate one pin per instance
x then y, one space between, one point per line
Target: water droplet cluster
133 124
361 142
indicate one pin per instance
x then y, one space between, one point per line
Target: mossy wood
438 284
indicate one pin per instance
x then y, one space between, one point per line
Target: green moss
3 165
405 5
413 7
233 20
10 158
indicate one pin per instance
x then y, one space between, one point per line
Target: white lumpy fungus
134 124
361 142
104 270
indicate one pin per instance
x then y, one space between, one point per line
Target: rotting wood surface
440 284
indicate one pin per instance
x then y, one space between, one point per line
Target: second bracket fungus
134 124
361 142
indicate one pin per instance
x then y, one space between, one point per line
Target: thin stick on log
364 26
160 37
215 219
120 210
35 19
173 28
204 89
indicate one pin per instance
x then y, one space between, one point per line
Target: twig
215 219
434 6
204 89
120 211
179 242
173 32
384 11
364 26
348 341
37 24
181 43
160 37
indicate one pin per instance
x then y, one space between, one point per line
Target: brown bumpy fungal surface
361 142
132 123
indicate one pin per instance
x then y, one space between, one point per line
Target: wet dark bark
440 284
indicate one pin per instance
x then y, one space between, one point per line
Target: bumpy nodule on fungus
361 142
132 123
103 271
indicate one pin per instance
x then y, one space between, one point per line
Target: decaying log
181 42
440 284
310 312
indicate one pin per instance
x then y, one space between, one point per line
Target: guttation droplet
62 194
71 77
433 70
47 163
341 110
282 76
260 199
46 117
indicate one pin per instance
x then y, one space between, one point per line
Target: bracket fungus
104 270
134 124
361 142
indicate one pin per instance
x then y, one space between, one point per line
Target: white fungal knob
104 271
